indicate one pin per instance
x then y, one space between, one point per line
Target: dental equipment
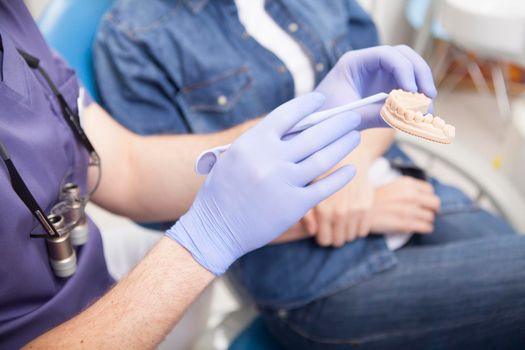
208 158
402 110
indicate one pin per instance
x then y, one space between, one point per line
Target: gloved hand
262 185
362 73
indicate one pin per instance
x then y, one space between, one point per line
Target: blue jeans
463 287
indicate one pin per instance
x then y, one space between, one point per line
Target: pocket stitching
26 98
224 76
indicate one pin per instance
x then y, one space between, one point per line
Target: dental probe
208 158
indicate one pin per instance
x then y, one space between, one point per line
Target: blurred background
476 49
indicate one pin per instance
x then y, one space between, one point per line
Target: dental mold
407 112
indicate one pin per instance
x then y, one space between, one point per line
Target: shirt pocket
220 93
69 88
65 136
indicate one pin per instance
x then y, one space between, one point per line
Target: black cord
24 194
73 121
71 118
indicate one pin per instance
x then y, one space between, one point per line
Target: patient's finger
339 234
429 201
424 214
419 185
310 222
418 226
324 235
411 211
407 220
423 186
388 221
353 226
424 229
364 225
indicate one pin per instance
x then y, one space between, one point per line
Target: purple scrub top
43 148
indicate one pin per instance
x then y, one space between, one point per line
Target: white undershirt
270 35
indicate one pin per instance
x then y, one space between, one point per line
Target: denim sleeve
133 87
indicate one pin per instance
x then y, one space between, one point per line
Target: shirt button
282 313
319 67
292 27
222 100
281 69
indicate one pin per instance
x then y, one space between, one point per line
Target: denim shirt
189 66
177 66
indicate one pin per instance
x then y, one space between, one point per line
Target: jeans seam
376 337
461 208
385 266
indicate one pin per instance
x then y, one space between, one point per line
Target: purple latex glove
262 185
362 73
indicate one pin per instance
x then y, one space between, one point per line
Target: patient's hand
404 205
345 215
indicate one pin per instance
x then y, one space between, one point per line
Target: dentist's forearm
165 183
148 178
140 310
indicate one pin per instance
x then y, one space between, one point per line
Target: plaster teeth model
405 111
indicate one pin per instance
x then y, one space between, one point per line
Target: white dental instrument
208 158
